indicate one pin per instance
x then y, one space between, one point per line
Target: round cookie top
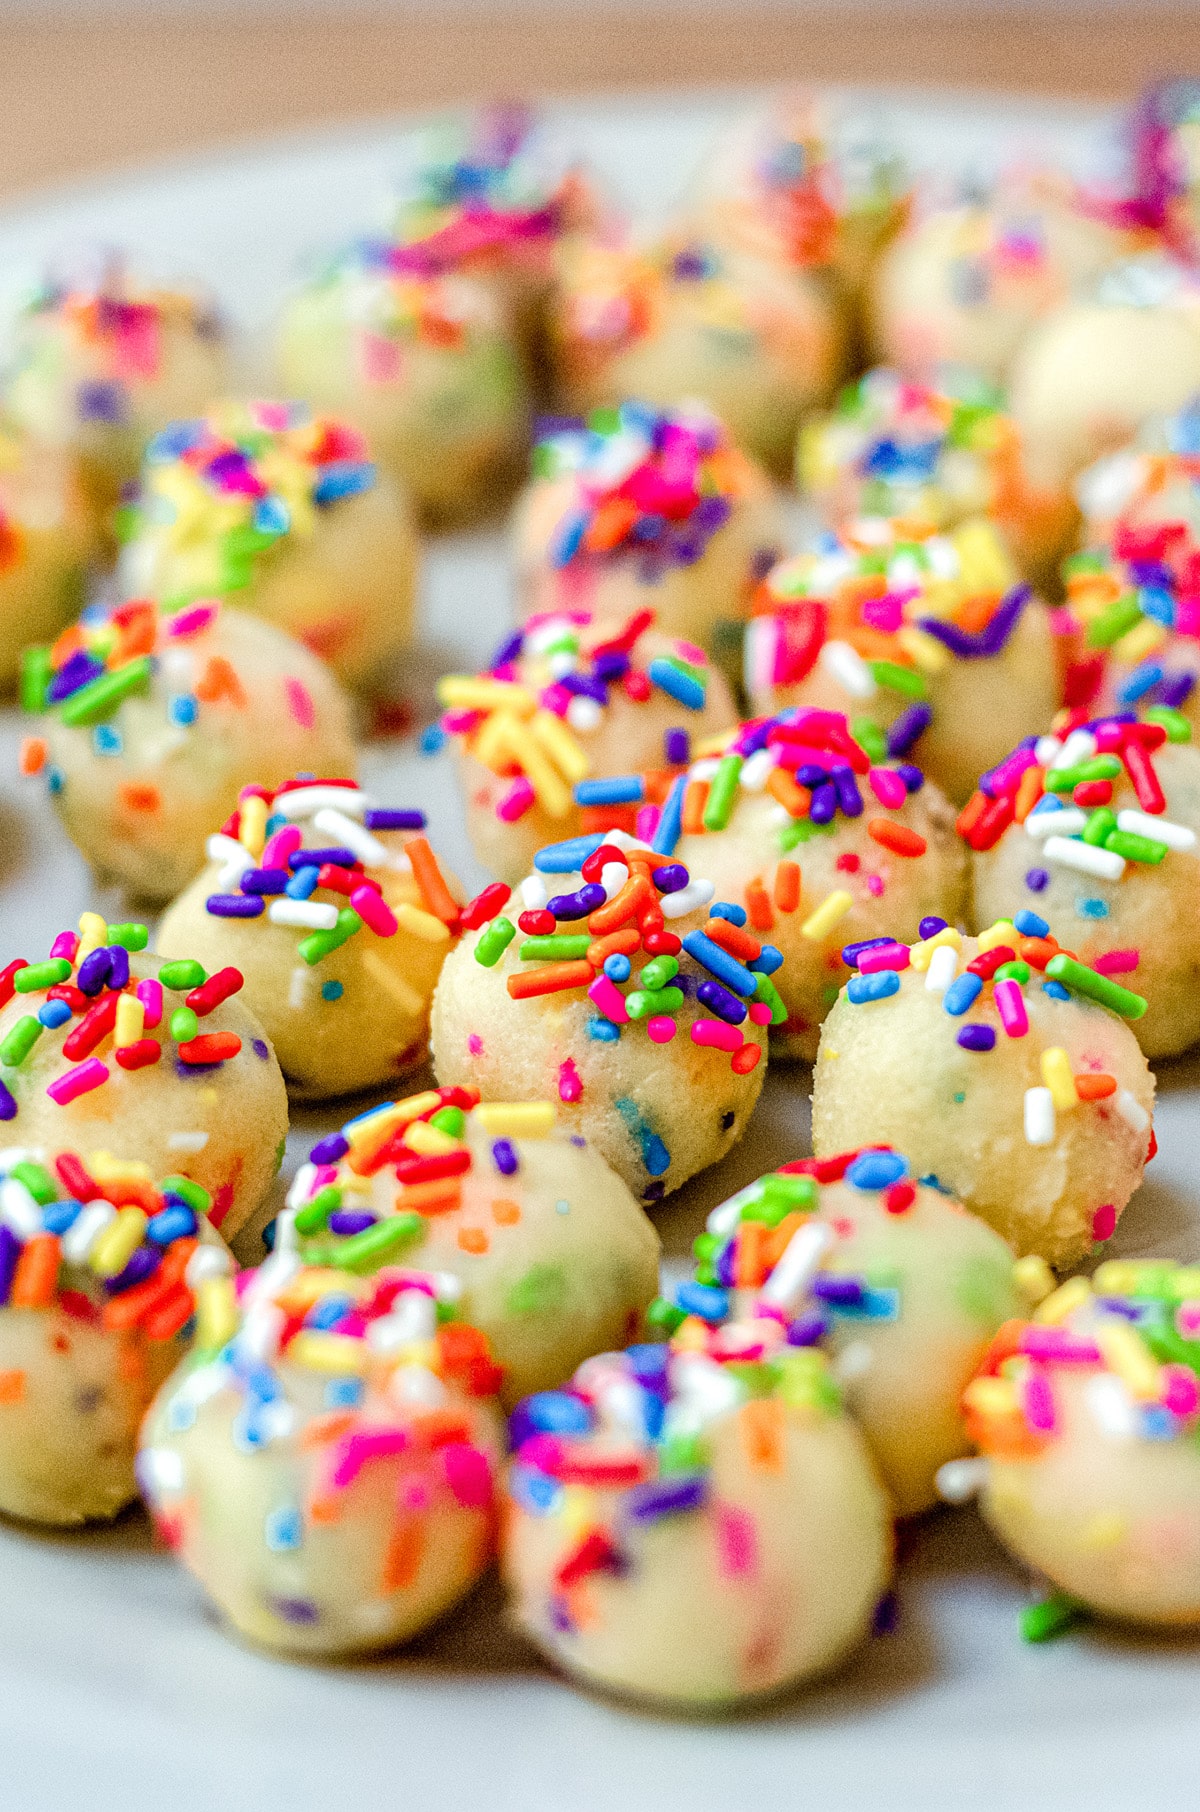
551 683
1137 605
1130 1334
393 306
220 493
99 1239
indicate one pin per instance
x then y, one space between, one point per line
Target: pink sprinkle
737 1546
468 1475
1006 778
1039 1403
192 622
886 613
280 846
1010 1004
300 703
274 417
516 800
605 994
1059 1345
475 1044
715 1033
875 886
887 787
1187 617
1117 962
570 1082
65 944
381 359
646 822
1182 1390
150 993
760 1013
662 1027
366 1444
1104 1222
1187 1320
688 651
556 698
374 910
461 723
883 956
79 1081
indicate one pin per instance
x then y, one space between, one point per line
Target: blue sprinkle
861 989
676 684
1156 1423
343 478
666 836
603 1031
536 1492
1029 924
718 962
171 1224
1055 990
618 968
725 909
332 990
55 1013
1091 909
54 779
655 1155
621 789
58 1216
549 1412
433 738
272 516
1136 684
767 961
875 1170
962 993
344 1393
283 1529
182 709
566 858
302 883
107 740
703 1300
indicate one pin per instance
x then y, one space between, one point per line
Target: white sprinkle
1108 487
533 893
187 1141
299 987
261 1330
688 899
853 1362
789 1282
943 967
703 1386
160 1469
18 1210
12 1155
1175 836
847 668
206 1262
1040 1122
613 877
584 714
1045 749
724 1217
1113 1409
302 1185
233 856
1131 1110
307 801
1079 746
756 771
705 768
309 913
416 1384
758 658
413 1317
335 824
622 840
1085 858
85 1230
286 1237
1066 823
958 1481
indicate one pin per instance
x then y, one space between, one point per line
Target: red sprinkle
95 1025
486 906
74 1178
537 922
898 1198
138 1056
212 992
8 985
210 1047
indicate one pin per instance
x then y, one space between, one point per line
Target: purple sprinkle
101 402
337 857
260 1048
726 1265
670 877
296 1610
235 905
610 666
380 819
843 1292
510 650
908 728
10 1252
977 1038
143 1264
118 969
351 1221
912 777
990 640
191 1072
329 1149
677 748
931 926
577 905
666 1497
720 1001
74 673
807 1329
8 1105
94 970
582 685
655 1191
560 1616
852 952
1175 689
264 880
1036 879
887 1615
811 775
848 796
824 803
504 1157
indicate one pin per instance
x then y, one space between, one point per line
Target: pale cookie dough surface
46 542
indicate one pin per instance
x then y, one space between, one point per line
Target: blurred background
100 84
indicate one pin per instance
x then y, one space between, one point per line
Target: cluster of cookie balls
916 804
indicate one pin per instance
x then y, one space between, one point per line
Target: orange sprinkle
620 909
761 1426
730 937
434 892
974 614
404 1554
695 800
749 1269
758 906
1028 793
1037 951
220 681
138 796
617 943
329 1427
32 758
610 525
778 1237
787 886
551 978
65 645
473 1239
605 818
505 1213
324 1511
788 793
897 837
439 1197
12 1387
971 813
36 1277
1095 1087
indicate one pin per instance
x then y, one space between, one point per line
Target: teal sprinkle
1091 909
655 1155
332 990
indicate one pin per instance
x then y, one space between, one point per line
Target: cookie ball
1002 1067
930 644
46 544
573 700
1099 368
427 366
553 1257
645 511
1134 625
695 1523
98 1272
659 1068
1087 1419
936 456
284 514
102 361
148 725
757 341
816 847
324 1463
967 280
338 915
106 1050
1102 848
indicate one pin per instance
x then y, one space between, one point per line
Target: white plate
118 1692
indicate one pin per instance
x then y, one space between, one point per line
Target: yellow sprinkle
324 1352
984 565
832 909
516 1119
1033 1278
490 743
130 1022
691 1336
714 745
107 1169
118 1242
561 744
1059 1078
420 923
1104 1530
252 824
309 1286
919 954
1125 1355
93 934
552 792
990 1397
1002 932
377 1127
381 971
576 1511
461 692
430 1141
930 655
1066 1299
1140 641
1117 1277
216 1313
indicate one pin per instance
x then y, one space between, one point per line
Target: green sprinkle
803 1380
791 1191
450 1120
37 1180
868 735
706 1245
1085 981
657 974
683 1452
1135 848
664 1315
1175 724
194 1194
494 941
1100 767
542 1291
319 944
100 698
766 991
722 793
314 1215
558 948
35 678
1088 561
184 1025
370 1247
132 937
644 1003
1018 972
35 976
705 1272
182 975
604 419
1054 1615
1120 616
905 680
1099 826
20 1041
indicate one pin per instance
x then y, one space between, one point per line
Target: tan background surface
89 94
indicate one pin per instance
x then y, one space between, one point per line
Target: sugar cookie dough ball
46 543
690 1530
282 513
426 365
1001 1067
967 280
1100 367
1136 625
1087 1419
928 642
1105 856
102 362
553 1257
901 1288
660 1076
816 849
150 725
937 456
324 1463
115 1055
647 511
573 699
758 342
338 915
98 1268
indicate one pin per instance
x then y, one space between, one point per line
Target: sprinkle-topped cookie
1138 606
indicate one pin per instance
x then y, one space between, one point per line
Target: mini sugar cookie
1087 1418
1134 611
97 1282
1101 844
757 341
813 846
1099 368
901 1288
695 1522
46 544
646 511
427 365
928 638
324 1462
1003 1068
149 725
553 1257
572 700
102 362
337 913
281 512
660 1076
934 455
108 1052
968 279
